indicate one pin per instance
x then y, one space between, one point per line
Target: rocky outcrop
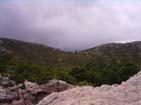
128 93
28 93
40 91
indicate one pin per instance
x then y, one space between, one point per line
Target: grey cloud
70 24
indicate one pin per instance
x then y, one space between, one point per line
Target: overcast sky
71 24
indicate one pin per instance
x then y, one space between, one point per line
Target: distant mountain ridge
127 51
39 54
115 46
44 55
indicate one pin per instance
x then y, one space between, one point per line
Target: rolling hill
130 52
40 54
105 64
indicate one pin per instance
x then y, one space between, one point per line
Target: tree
32 73
5 61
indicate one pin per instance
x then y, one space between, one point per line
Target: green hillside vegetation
41 54
106 64
98 73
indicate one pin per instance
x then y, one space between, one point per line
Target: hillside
39 54
105 64
121 52
44 55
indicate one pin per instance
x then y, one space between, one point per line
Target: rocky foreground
128 93
57 92
28 93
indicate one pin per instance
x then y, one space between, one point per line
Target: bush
32 73
5 62
98 74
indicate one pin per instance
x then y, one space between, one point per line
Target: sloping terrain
128 93
121 52
39 54
105 64
44 55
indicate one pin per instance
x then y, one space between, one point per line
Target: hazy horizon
70 24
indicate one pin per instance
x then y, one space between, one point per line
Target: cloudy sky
71 24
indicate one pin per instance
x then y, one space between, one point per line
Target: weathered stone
28 93
128 93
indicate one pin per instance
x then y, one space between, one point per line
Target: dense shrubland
93 73
104 74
